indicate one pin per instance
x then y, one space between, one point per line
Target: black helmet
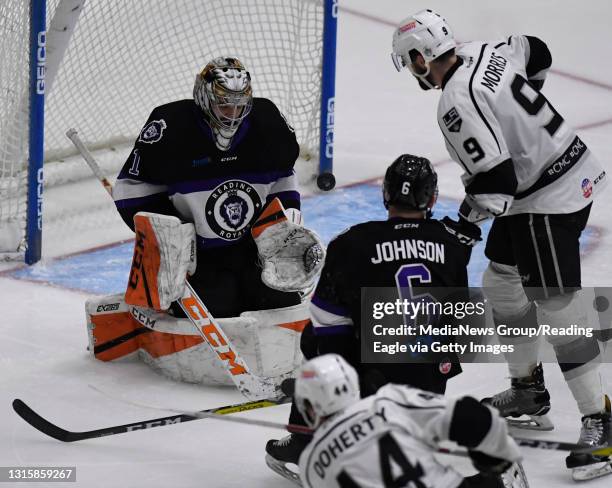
410 182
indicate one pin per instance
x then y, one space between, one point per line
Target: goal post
36 130
109 63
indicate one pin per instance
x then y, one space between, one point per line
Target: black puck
326 181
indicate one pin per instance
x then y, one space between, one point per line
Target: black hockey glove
467 233
488 464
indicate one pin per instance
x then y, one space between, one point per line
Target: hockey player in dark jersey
528 170
216 161
354 261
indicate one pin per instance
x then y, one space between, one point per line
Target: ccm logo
213 336
155 423
41 56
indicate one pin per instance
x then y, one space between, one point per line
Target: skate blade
592 471
281 469
531 422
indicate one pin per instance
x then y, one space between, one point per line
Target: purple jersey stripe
212 183
134 202
329 307
284 196
333 330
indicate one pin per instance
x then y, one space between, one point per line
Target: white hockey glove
164 254
480 207
292 256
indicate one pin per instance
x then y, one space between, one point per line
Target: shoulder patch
452 120
153 131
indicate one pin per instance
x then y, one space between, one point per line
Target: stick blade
40 424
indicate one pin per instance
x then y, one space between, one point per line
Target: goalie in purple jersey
217 161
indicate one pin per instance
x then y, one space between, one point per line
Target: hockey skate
285 451
528 398
595 432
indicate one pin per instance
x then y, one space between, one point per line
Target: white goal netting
126 57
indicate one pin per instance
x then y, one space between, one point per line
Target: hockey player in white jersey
529 171
389 439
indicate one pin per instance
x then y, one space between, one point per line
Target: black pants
544 247
228 280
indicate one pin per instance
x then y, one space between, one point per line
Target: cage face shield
223 92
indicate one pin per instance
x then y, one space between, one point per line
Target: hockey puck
326 181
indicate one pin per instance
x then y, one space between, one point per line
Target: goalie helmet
425 32
410 182
324 386
223 92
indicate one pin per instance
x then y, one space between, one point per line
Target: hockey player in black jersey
216 161
526 168
354 260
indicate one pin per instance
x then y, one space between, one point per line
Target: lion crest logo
231 207
234 211
153 131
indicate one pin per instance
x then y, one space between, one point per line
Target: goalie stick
251 386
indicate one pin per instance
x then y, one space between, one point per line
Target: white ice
379 114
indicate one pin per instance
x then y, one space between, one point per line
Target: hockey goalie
146 322
211 192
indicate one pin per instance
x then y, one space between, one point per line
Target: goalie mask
425 33
223 92
324 386
410 183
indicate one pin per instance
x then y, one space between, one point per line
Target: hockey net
123 59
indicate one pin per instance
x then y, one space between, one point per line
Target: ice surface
379 114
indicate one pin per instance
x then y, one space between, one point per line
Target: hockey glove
488 464
291 255
467 232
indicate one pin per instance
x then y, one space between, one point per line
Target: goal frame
43 68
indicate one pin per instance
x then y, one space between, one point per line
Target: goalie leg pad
164 254
268 340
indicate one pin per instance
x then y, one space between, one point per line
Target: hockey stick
43 425
72 134
251 386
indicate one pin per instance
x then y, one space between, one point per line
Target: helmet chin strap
423 81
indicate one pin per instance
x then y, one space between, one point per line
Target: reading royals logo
153 131
231 207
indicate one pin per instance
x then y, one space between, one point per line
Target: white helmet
427 33
223 92
325 385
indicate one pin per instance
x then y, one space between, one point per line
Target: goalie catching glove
164 254
292 256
